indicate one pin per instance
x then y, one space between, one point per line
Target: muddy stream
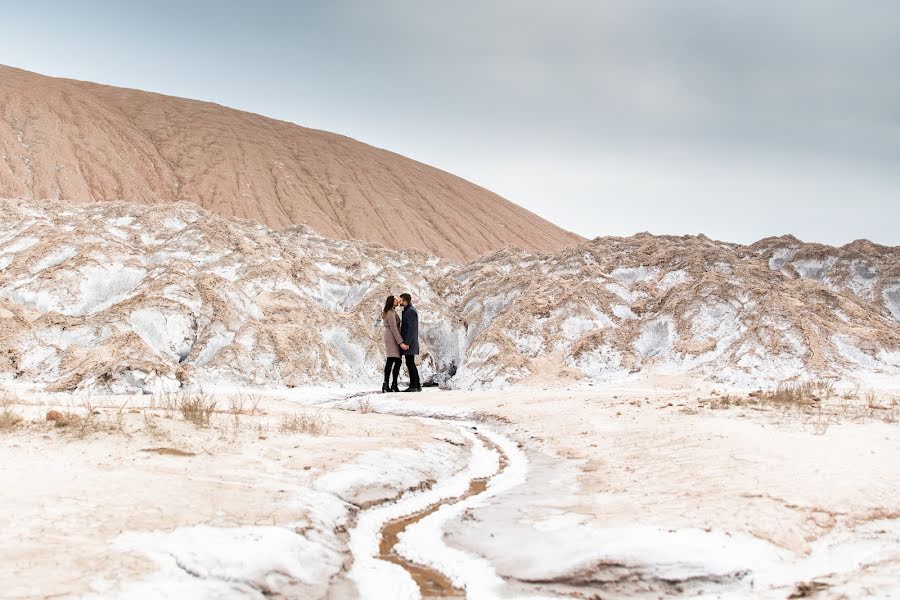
432 583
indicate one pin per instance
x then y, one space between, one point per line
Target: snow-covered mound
126 297
745 315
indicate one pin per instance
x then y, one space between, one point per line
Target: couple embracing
401 338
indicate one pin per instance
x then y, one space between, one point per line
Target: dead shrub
815 404
9 419
724 402
236 405
312 423
365 405
197 409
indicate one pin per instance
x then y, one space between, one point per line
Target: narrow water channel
432 583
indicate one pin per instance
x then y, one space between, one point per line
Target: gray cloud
606 116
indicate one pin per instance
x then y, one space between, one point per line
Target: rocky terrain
81 142
127 297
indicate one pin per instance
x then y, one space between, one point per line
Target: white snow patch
54 258
623 312
780 257
603 363
229 272
632 275
813 268
622 292
671 279
891 295
116 232
848 350
101 287
19 245
351 356
173 223
210 562
656 337
863 280
337 296
167 334
219 338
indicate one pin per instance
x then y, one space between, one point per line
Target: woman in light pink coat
392 341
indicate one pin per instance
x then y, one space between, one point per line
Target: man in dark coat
409 331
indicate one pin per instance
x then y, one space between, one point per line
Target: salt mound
122 297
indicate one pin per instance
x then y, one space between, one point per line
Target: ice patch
350 354
149 240
337 296
63 338
167 334
54 258
656 338
330 268
623 312
714 320
603 363
848 350
622 292
229 272
575 327
116 232
445 343
528 345
780 257
173 223
219 338
814 269
19 245
863 279
891 295
632 275
246 562
101 287
672 279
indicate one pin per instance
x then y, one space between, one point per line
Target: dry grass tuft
815 403
9 419
312 423
197 409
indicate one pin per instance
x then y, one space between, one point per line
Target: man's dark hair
407 297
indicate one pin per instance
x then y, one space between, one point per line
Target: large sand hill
81 142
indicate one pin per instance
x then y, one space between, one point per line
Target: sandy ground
646 489
642 489
71 493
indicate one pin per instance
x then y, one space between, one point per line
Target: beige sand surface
643 489
68 495
610 464
81 142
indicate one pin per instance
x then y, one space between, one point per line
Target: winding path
398 548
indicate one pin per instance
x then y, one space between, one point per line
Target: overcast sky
736 119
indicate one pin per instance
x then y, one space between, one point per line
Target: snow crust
233 303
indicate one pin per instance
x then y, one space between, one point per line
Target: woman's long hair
388 305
